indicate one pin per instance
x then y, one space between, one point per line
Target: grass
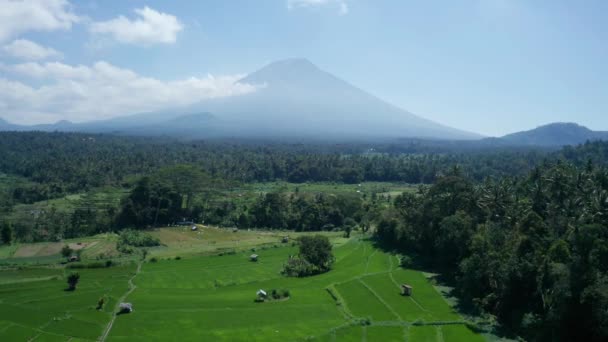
424 334
204 296
455 333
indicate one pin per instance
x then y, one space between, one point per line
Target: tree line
531 250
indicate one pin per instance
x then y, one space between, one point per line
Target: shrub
404 261
315 257
100 303
96 264
66 251
73 280
178 258
138 239
274 294
153 259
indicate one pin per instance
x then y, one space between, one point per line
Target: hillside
555 134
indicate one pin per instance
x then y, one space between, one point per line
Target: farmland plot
211 297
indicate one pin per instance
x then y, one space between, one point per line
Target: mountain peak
555 134
286 70
290 63
563 125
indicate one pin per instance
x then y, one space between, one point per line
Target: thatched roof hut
125 307
406 290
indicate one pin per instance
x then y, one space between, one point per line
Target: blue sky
488 66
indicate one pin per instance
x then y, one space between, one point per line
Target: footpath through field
132 288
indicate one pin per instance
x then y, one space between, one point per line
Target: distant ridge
555 134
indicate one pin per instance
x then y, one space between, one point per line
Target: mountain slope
555 134
294 99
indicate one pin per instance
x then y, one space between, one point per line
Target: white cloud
100 91
341 5
149 27
28 50
19 16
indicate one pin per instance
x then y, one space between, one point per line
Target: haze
485 66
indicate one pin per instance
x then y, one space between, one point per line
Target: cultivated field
205 296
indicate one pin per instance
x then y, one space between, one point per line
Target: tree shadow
445 282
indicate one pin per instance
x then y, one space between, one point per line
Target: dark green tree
6 233
73 280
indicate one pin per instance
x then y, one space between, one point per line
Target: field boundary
340 302
381 300
132 288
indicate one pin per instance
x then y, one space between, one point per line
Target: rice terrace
201 286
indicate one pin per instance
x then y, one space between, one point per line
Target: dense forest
521 232
70 162
533 250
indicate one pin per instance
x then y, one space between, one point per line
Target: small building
234 230
194 228
253 257
261 293
125 307
406 290
73 258
185 222
285 239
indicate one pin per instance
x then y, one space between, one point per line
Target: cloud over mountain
102 90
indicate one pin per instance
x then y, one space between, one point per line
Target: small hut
406 290
194 228
253 257
261 293
285 239
73 258
125 307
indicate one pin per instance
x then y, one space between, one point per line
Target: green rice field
210 297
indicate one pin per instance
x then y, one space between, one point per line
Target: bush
404 261
178 258
73 280
96 264
273 294
137 239
100 303
66 251
153 259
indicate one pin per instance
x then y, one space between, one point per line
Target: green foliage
73 279
530 250
405 261
138 239
100 303
6 233
66 251
95 264
317 250
315 257
129 240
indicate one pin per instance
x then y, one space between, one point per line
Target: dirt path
132 288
